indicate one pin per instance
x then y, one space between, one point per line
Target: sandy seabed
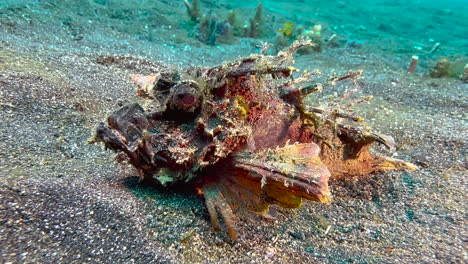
63 200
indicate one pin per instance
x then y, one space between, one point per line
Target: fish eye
185 96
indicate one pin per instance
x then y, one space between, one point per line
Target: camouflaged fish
240 134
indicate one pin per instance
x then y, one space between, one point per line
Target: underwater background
65 65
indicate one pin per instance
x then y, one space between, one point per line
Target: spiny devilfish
240 134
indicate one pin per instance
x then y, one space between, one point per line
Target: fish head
183 124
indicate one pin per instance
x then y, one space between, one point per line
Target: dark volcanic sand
63 200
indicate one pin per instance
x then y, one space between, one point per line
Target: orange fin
281 176
216 203
287 174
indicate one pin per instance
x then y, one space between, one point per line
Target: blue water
394 28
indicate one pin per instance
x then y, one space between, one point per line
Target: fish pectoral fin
287 174
217 204
253 182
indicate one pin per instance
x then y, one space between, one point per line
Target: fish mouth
186 96
186 99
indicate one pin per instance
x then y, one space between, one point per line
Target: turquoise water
393 29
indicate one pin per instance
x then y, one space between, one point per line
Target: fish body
240 134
